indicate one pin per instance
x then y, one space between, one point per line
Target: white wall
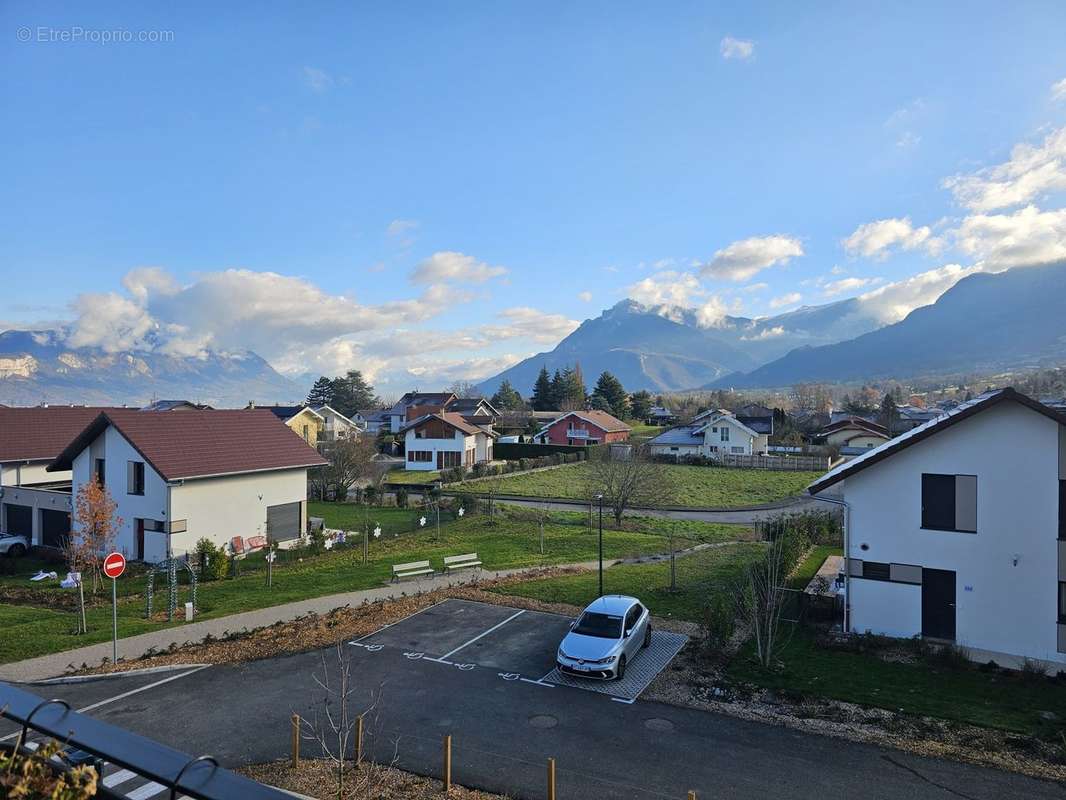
675 449
457 443
22 474
890 609
116 451
1000 607
221 508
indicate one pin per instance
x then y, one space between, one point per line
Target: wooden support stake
295 740
447 763
358 741
691 795
551 779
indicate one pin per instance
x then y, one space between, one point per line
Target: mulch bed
317 778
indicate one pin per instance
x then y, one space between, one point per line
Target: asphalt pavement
504 729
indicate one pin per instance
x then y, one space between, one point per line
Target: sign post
114 565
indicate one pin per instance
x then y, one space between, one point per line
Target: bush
210 560
1032 670
34 776
470 503
401 497
948 656
370 495
719 624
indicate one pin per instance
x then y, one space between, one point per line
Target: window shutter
131 478
966 503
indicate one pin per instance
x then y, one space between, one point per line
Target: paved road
505 730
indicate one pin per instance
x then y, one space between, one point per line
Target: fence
783 463
512 451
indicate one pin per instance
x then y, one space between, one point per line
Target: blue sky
430 191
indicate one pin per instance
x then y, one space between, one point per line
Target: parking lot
519 644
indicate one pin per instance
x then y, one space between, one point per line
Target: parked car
605 638
13 544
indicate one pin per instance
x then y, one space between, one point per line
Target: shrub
318 540
719 623
401 497
370 495
1032 670
949 656
523 463
468 502
34 776
210 560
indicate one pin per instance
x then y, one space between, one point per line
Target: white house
414 405
335 425
956 531
445 440
711 434
372 420
177 478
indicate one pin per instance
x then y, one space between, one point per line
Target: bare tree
761 599
350 460
334 721
78 558
628 480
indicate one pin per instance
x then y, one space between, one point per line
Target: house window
725 434
949 502
876 571
736 449
135 477
100 471
307 433
420 456
451 458
714 430
1062 510
1062 603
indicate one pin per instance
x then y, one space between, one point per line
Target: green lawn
996 700
810 565
413 476
512 540
700 576
641 431
701 487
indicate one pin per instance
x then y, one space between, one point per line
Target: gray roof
684 434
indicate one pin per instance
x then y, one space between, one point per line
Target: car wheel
16 551
621 673
647 637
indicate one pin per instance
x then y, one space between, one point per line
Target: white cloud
893 301
833 288
908 140
667 288
1031 172
584 297
529 323
755 287
318 80
786 300
1058 90
109 321
766 333
447 265
400 227
747 257
1026 237
713 311
738 49
876 239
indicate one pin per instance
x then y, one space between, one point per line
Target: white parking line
480 635
146 791
116 778
397 622
123 695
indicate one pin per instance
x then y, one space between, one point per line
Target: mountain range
39 367
985 322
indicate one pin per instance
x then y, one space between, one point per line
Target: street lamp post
600 498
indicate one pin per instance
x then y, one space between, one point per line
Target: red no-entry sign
114 565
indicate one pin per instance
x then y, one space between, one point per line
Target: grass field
698 487
810 565
996 700
414 476
700 577
511 540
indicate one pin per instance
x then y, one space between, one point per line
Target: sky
432 191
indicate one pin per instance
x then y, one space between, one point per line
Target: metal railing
198 777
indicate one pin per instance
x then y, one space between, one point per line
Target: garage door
283 522
19 519
55 526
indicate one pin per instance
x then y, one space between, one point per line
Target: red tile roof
197 444
40 434
601 419
455 420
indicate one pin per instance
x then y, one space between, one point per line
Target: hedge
511 451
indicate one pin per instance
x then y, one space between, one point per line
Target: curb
105 675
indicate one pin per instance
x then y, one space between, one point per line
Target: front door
138 540
938 603
440 459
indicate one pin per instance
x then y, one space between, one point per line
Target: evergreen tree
571 390
558 392
506 398
889 413
543 398
610 389
321 393
351 392
599 403
640 404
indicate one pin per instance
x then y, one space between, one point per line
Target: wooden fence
786 463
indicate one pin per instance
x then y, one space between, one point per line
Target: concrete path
132 647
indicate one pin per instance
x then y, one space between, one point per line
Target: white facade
27 473
216 508
1006 573
725 435
335 425
458 443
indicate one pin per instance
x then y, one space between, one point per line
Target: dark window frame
882 571
1062 603
928 522
100 471
135 478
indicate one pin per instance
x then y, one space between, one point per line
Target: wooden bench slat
411 565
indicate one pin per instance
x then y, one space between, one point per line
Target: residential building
335 426
177 478
398 416
372 420
304 421
474 408
956 531
175 405
444 440
660 415
711 434
853 435
583 428
757 417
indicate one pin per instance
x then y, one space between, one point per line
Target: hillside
983 323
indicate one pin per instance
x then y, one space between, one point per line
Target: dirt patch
317 778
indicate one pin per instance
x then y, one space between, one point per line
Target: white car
13 544
605 638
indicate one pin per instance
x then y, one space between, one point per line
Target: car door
632 642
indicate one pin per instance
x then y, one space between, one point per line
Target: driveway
504 729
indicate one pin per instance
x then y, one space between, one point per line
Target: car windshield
605 626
